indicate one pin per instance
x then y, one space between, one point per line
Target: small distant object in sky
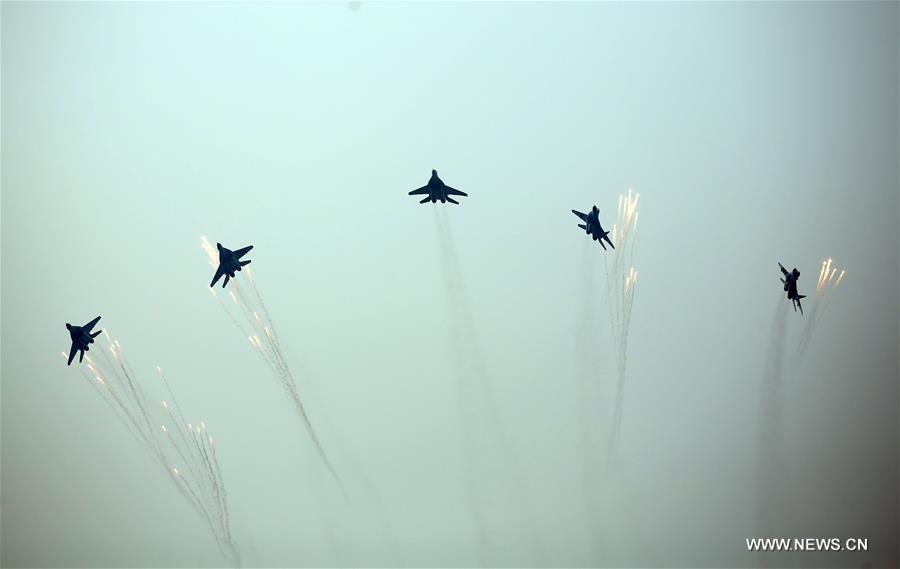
229 262
790 286
436 190
82 338
592 226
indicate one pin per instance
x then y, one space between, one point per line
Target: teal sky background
755 133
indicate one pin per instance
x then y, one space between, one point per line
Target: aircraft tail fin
97 333
606 236
583 226
801 296
243 263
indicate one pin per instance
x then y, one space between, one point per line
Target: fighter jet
790 286
436 190
82 338
229 262
592 226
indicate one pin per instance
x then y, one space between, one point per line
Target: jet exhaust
485 446
771 427
588 394
457 302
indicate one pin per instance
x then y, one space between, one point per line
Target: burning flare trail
829 280
186 451
248 312
621 280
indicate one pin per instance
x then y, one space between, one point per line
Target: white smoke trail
171 441
246 305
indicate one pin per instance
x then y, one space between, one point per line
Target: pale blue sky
755 132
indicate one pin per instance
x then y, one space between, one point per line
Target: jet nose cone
68 326
434 172
219 246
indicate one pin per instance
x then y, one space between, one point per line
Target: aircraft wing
583 216
421 191
454 192
241 252
219 273
72 353
90 325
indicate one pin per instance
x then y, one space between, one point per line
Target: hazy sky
755 133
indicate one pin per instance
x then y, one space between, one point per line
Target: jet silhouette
790 286
592 226
81 338
436 190
229 262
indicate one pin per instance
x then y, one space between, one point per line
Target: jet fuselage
592 226
790 286
79 337
436 190
593 221
82 337
227 261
